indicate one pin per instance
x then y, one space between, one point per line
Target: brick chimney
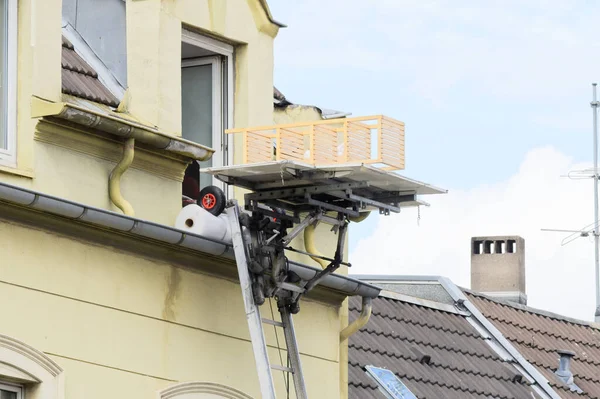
498 267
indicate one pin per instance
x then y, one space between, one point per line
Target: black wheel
212 199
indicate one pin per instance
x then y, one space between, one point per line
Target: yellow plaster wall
296 114
142 323
112 319
154 30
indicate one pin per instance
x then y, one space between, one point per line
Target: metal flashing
496 339
143 229
333 114
265 7
459 296
430 279
507 296
422 302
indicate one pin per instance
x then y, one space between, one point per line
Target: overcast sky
495 96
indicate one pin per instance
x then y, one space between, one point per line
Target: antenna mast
594 105
595 230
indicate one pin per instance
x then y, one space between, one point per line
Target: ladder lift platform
285 197
347 184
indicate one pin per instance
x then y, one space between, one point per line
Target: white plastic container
196 220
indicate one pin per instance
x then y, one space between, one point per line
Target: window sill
17 172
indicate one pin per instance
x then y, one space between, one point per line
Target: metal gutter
265 7
121 127
459 296
143 229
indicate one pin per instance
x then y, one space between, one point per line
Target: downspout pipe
309 245
356 325
360 322
309 239
114 180
360 218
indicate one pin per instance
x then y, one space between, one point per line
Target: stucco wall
118 323
154 33
296 114
115 320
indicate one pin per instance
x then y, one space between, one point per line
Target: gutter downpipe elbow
309 245
360 322
352 328
114 180
360 218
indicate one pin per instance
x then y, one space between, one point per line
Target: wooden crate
376 140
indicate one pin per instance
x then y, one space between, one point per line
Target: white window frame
222 143
8 156
18 389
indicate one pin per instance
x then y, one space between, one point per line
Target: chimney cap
567 353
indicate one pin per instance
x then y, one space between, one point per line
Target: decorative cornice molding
187 388
107 149
31 353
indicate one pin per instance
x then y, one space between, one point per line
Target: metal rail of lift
277 210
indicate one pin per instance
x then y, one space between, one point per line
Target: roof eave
120 127
269 15
144 230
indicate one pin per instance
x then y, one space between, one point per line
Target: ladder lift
285 198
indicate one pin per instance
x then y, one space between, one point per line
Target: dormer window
206 104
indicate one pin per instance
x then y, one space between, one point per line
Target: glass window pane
196 106
196 103
7 394
3 72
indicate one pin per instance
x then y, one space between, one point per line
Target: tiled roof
538 337
400 335
279 99
79 79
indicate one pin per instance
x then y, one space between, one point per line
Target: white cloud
559 278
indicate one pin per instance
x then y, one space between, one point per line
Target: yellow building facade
102 305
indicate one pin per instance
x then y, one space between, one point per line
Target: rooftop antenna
593 227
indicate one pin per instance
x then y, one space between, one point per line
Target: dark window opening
488 247
477 247
500 247
205 88
511 247
191 184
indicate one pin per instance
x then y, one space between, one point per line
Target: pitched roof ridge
536 311
433 363
543 332
432 345
424 324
